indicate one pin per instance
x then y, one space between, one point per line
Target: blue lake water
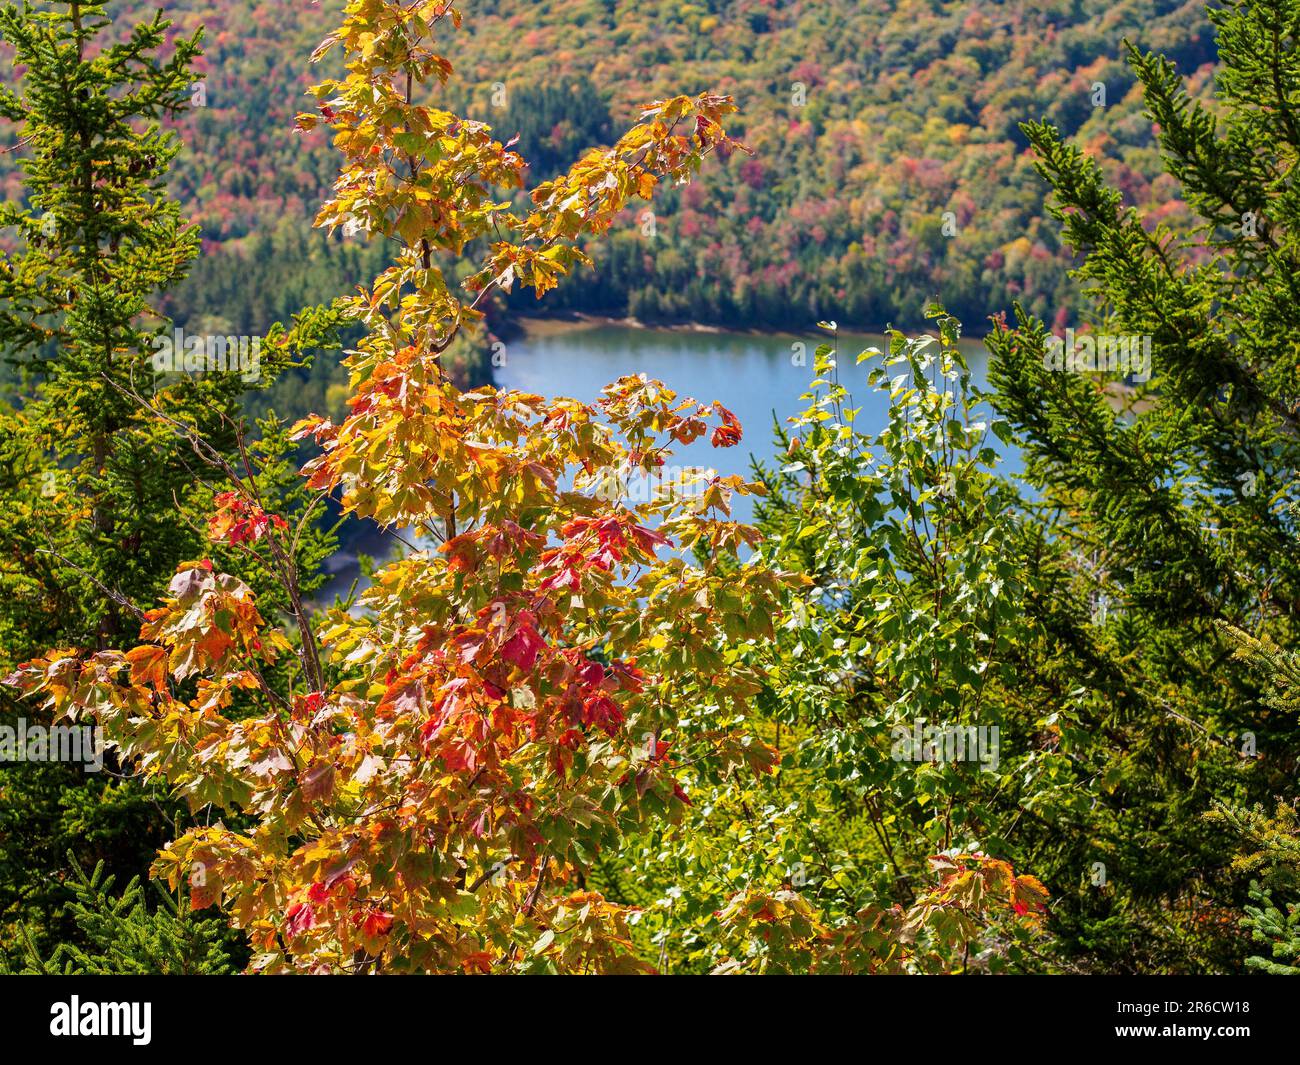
756 376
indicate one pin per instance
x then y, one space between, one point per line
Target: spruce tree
1164 506
102 475
124 936
1270 842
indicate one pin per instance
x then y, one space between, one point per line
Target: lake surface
756 376
753 375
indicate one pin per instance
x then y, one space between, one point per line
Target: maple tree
426 787
426 782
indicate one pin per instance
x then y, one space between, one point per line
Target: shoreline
572 321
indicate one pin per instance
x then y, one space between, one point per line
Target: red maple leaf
299 918
523 646
602 712
377 923
238 521
727 434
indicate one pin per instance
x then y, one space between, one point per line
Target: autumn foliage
421 784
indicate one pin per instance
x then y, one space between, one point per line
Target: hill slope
889 166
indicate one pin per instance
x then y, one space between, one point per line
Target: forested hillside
868 122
